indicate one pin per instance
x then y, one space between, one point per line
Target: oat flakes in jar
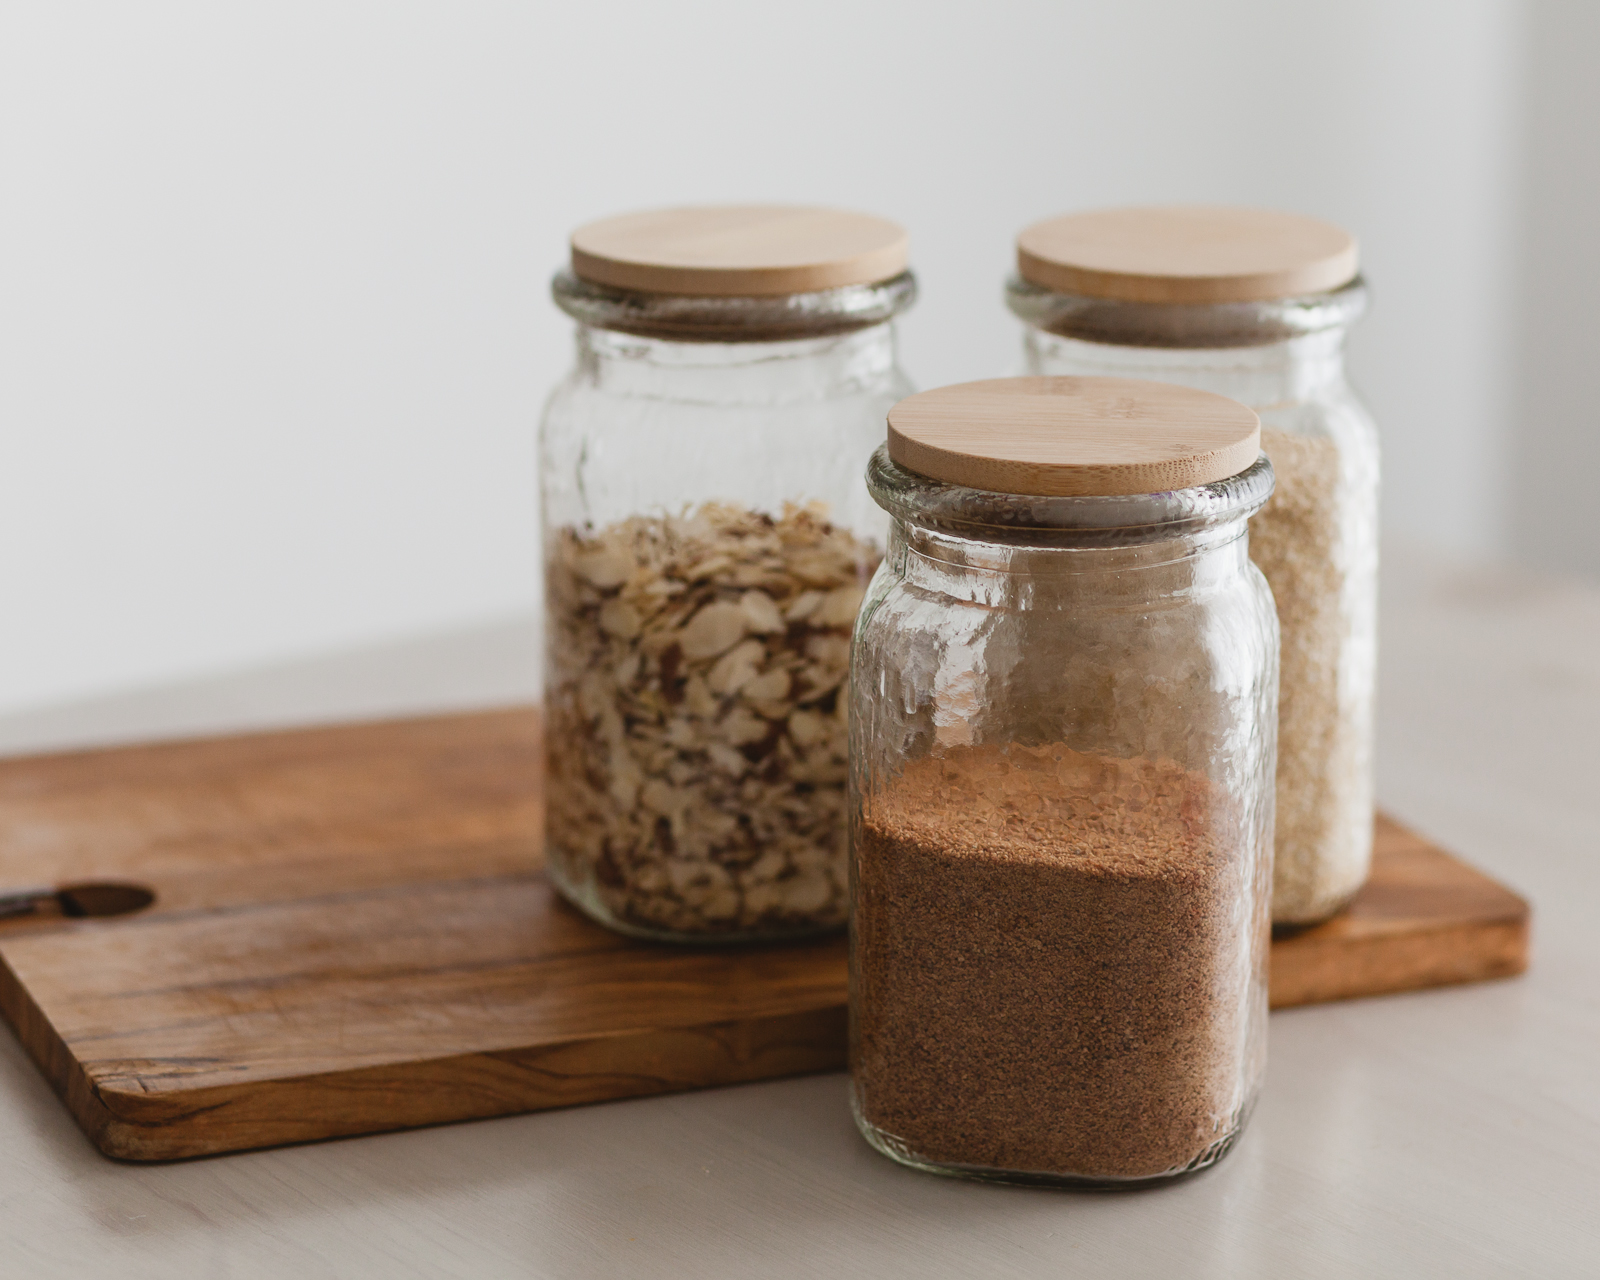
1253 305
707 539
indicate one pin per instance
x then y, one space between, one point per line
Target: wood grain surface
1424 919
739 250
1073 437
352 933
1187 254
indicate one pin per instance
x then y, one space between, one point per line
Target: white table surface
1450 1133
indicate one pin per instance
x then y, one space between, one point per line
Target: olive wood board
351 932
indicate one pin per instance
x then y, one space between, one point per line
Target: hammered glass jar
1062 715
707 539
1253 305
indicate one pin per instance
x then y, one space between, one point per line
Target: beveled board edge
140 1127
62 1072
1451 954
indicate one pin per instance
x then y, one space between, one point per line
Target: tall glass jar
707 540
1062 720
1253 305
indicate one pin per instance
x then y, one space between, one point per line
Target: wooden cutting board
351 932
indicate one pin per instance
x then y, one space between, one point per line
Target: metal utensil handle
22 902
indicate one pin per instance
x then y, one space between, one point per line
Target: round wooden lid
738 250
1073 437
1187 253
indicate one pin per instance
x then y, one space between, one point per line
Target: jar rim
734 318
1033 520
1194 325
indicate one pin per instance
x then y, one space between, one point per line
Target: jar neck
739 373
1141 523
1002 576
1275 373
736 318
1266 353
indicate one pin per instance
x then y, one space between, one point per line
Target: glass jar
707 540
1062 718
1254 306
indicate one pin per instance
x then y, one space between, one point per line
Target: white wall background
274 328
1555 442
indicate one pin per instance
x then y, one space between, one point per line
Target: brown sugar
1058 964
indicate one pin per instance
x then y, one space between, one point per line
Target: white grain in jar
1253 305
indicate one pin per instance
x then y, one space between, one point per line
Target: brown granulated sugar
1058 964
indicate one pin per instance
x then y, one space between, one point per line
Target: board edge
143 1128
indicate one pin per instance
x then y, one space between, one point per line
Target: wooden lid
738 250
1074 437
1187 253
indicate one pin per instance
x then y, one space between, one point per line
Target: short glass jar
1253 305
707 540
1062 717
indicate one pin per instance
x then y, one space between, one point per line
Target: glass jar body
707 538
1316 541
1061 799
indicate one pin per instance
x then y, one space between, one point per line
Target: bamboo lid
738 250
1187 253
1073 437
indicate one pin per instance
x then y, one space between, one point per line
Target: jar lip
1029 519
706 318
1194 325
